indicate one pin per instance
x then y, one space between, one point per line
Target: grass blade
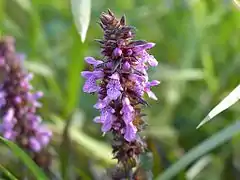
36 171
81 10
228 101
203 148
7 173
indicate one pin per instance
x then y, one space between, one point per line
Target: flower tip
151 45
97 119
88 59
117 52
155 82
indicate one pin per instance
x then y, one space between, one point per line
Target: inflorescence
18 104
121 80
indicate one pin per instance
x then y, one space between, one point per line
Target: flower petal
152 61
89 74
93 61
152 95
102 103
130 132
90 85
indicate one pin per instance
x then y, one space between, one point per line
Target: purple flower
102 103
126 66
148 86
117 52
92 61
130 132
20 123
90 85
120 80
127 111
106 119
34 144
114 87
140 48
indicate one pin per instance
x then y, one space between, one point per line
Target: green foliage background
198 49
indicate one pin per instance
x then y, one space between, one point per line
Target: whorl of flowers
121 80
19 120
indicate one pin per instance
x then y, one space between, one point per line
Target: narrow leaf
38 68
7 173
201 149
81 10
95 148
36 171
228 101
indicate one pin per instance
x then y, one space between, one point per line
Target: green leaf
228 101
36 171
81 10
201 149
25 4
65 151
170 74
38 68
75 66
7 173
93 147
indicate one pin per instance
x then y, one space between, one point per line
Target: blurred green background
198 49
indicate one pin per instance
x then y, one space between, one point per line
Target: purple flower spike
18 104
120 81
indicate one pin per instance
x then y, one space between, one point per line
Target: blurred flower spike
18 104
120 79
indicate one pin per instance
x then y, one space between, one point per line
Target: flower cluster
121 80
18 105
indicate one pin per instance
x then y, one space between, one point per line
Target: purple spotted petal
114 89
130 132
107 118
90 85
115 76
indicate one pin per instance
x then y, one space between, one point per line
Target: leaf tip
205 120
